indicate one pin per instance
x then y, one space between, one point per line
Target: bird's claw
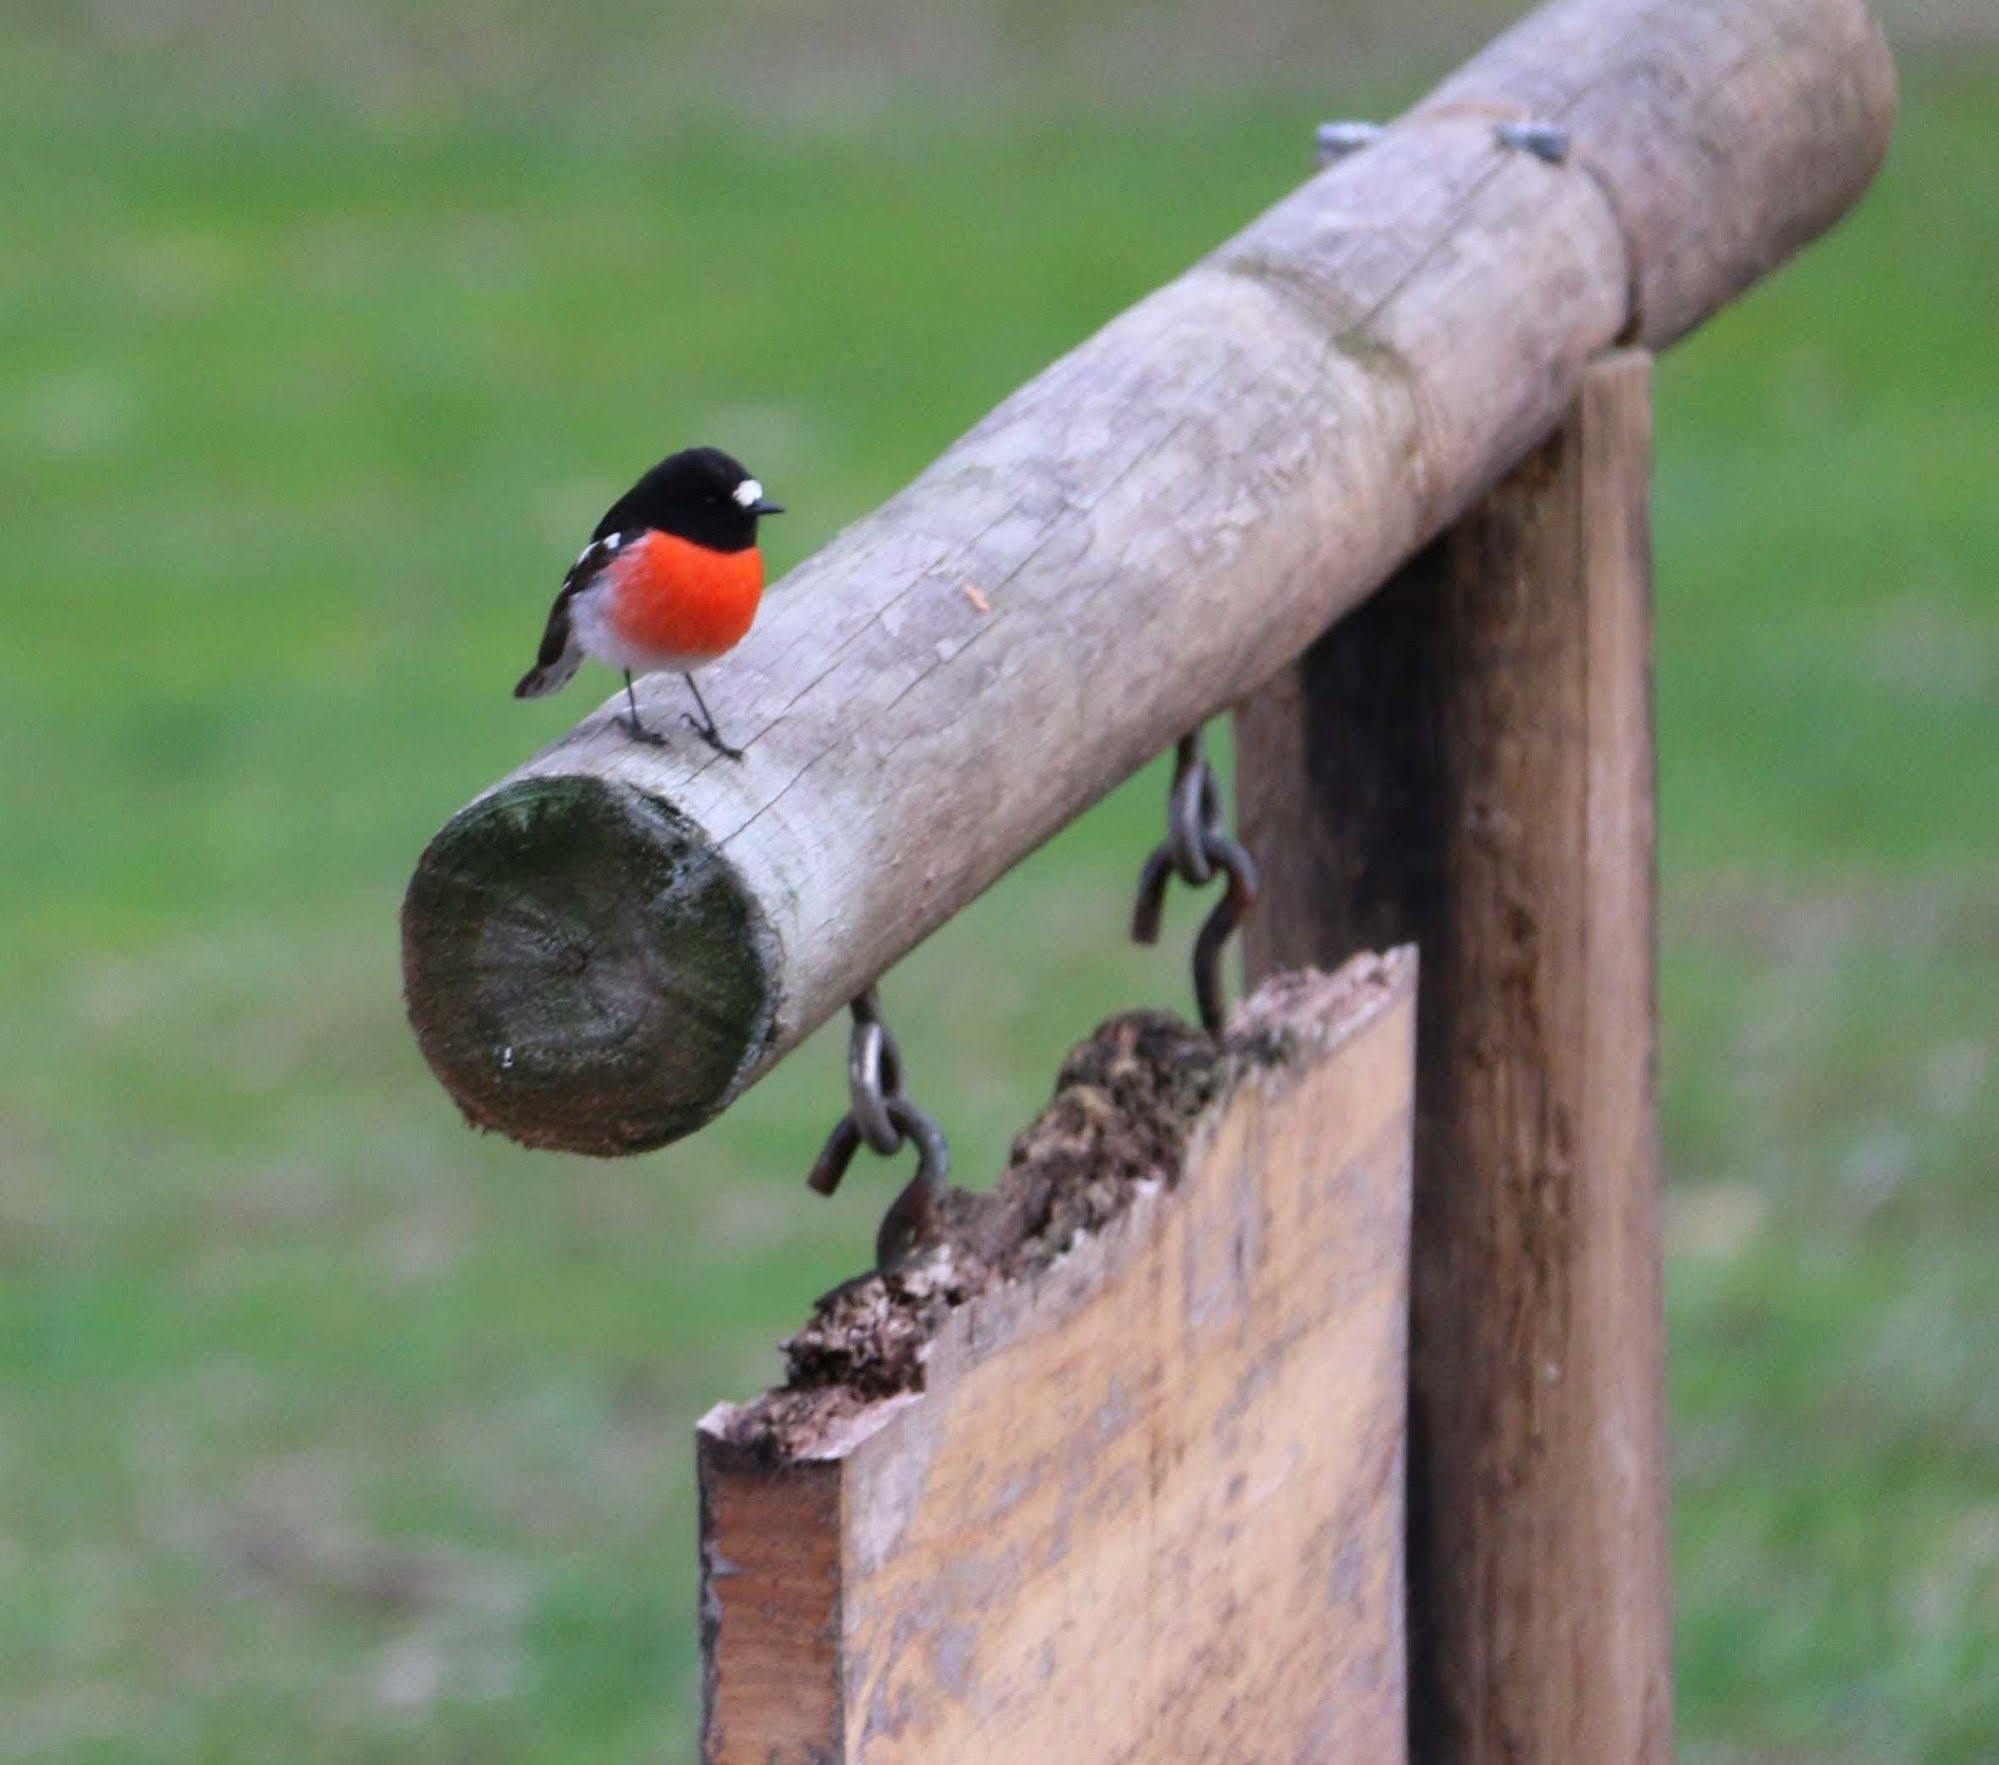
711 735
652 738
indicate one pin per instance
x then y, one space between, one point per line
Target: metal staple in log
608 945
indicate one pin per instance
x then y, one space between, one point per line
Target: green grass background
332 1432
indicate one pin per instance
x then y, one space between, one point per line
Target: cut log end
584 971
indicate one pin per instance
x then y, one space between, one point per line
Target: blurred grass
329 1431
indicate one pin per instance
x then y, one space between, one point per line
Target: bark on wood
1467 763
1116 1475
607 946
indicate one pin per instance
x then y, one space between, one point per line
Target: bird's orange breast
679 599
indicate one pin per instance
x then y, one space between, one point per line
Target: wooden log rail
608 945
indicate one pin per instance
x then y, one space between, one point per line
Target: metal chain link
874 1076
1197 844
881 1118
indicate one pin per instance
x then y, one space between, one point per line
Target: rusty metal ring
874 1080
1193 819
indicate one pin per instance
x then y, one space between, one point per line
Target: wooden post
1466 763
1117 1473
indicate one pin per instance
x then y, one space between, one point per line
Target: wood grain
1147 1505
1467 763
604 949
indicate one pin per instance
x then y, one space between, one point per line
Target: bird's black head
701 494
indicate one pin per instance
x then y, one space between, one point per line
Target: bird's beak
766 507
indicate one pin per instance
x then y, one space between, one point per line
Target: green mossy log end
584 971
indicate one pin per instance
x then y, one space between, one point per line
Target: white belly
596 635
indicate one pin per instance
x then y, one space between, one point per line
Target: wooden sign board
1117 1473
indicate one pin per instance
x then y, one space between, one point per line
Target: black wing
559 657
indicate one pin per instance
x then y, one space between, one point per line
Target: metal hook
881 1118
1216 930
912 1217
1196 845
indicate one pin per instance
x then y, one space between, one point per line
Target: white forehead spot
747 492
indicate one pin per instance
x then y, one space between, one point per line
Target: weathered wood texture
1467 763
604 948
1147 1504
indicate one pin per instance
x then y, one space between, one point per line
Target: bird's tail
547 677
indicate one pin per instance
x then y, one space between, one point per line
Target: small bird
671 579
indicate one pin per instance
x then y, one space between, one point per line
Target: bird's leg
705 727
632 726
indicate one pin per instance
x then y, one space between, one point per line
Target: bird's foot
711 735
652 738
